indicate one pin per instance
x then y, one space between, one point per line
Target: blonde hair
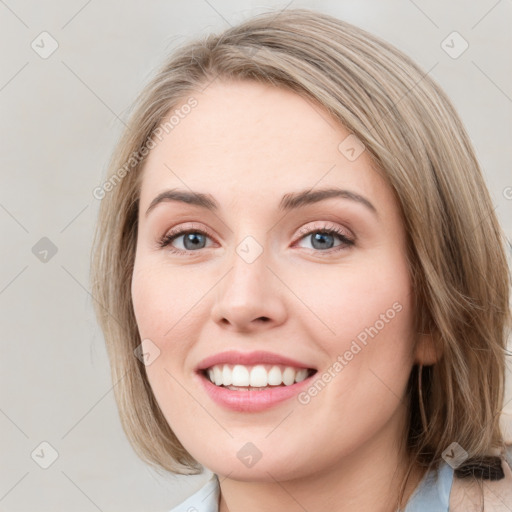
415 138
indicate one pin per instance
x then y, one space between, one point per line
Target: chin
262 471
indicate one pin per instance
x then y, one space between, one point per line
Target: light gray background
60 118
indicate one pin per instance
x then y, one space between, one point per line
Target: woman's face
263 277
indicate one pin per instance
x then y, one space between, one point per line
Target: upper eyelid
326 226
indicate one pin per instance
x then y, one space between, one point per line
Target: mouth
258 377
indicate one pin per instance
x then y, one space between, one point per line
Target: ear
428 349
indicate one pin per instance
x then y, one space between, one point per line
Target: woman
301 279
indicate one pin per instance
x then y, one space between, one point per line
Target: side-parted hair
416 141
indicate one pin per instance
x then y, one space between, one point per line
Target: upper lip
249 358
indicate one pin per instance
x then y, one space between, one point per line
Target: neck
368 478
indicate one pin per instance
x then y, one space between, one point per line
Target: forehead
245 136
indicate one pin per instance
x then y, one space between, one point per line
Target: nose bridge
247 279
248 291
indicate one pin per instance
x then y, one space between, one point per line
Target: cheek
369 311
165 301
167 305
157 311
370 353
145 300
353 299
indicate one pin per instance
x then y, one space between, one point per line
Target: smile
255 377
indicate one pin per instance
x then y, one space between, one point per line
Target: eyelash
168 238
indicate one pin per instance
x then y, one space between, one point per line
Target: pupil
193 239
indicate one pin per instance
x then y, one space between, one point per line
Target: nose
250 297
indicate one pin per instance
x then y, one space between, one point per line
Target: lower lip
251 401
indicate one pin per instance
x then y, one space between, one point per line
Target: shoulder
475 495
206 499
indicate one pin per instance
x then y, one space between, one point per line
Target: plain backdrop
60 117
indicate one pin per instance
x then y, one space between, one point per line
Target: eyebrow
288 202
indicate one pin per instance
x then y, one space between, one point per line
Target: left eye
322 239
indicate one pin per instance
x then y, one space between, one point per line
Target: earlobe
428 349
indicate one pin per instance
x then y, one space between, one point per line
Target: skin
248 144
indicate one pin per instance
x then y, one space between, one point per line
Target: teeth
239 376
258 376
227 375
275 376
217 375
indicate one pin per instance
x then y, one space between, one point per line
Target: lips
251 384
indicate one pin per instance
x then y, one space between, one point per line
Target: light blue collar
432 494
